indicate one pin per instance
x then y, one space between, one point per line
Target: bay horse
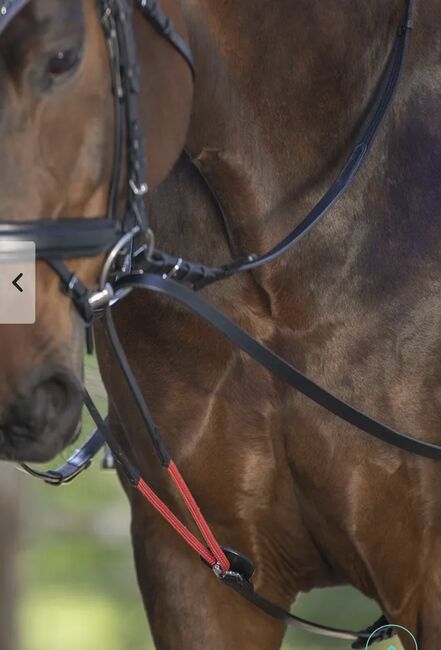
280 92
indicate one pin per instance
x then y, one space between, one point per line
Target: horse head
58 117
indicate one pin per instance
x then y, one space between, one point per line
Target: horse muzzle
44 416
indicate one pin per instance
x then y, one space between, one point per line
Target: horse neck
280 98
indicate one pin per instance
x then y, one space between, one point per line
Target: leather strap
278 366
72 286
118 455
199 275
245 589
64 238
176 268
151 10
233 578
129 79
77 463
353 164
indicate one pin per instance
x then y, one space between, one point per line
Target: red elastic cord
198 517
214 554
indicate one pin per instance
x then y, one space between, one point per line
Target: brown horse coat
281 90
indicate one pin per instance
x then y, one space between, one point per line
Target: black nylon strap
279 367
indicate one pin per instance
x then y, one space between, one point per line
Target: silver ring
125 239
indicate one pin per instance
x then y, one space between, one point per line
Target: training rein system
134 262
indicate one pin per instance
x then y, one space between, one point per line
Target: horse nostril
44 417
48 401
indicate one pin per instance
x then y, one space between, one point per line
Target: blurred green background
77 583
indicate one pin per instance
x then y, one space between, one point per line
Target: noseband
132 261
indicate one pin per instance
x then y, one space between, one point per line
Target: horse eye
63 62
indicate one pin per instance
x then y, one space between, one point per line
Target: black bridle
129 266
65 238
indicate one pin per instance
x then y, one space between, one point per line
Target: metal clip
241 568
138 190
101 298
171 274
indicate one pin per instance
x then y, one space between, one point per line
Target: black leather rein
278 366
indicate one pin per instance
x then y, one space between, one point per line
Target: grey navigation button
17 282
